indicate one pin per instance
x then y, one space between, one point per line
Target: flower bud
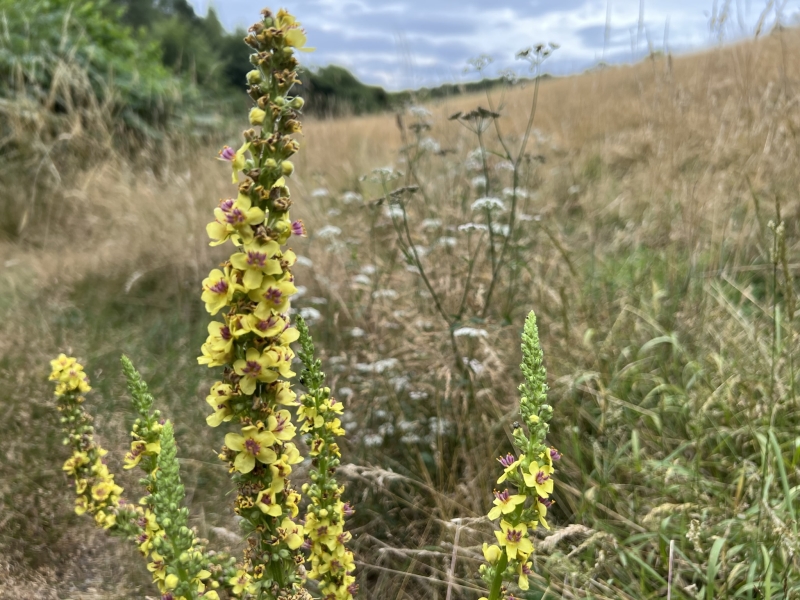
257 116
279 101
287 168
171 581
491 553
254 77
297 103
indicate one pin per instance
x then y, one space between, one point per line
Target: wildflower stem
512 215
497 581
473 258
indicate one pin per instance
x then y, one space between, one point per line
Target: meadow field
654 231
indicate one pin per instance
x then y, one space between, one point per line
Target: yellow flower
60 364
106 491
218 289
285 19
281 426
514 538
218 398
291 502
541 511
105 520
283 360
264 323
523 570
293 35
335 427
510 464
539 478
281 468
274 294
251 445
234 218
288 336
284 394
81 505
268 503
312 418
75 462
241 583
505 503
255 262
236 159
69 374
290 532
157 567
140 448
218 348
256 367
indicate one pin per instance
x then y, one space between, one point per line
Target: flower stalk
178 560
252 291
529 472
332 564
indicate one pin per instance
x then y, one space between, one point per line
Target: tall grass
664 302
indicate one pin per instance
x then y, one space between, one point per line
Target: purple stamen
235 216
256 259
513 535
266 324
347 509
555 454
541 477
298 228
227 153
502 496
507 460
252 368
220 287
225 333
252 447
273 295
281 423
546 502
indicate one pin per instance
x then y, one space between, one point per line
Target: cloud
409 43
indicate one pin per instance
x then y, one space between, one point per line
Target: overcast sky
403 44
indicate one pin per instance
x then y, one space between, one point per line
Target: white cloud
410 43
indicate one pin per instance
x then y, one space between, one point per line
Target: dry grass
647 260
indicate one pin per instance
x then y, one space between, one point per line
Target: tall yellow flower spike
252 291
531 473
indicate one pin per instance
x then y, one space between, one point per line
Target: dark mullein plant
252 290
529 473
158 524
332 564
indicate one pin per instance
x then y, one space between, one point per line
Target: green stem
497 582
